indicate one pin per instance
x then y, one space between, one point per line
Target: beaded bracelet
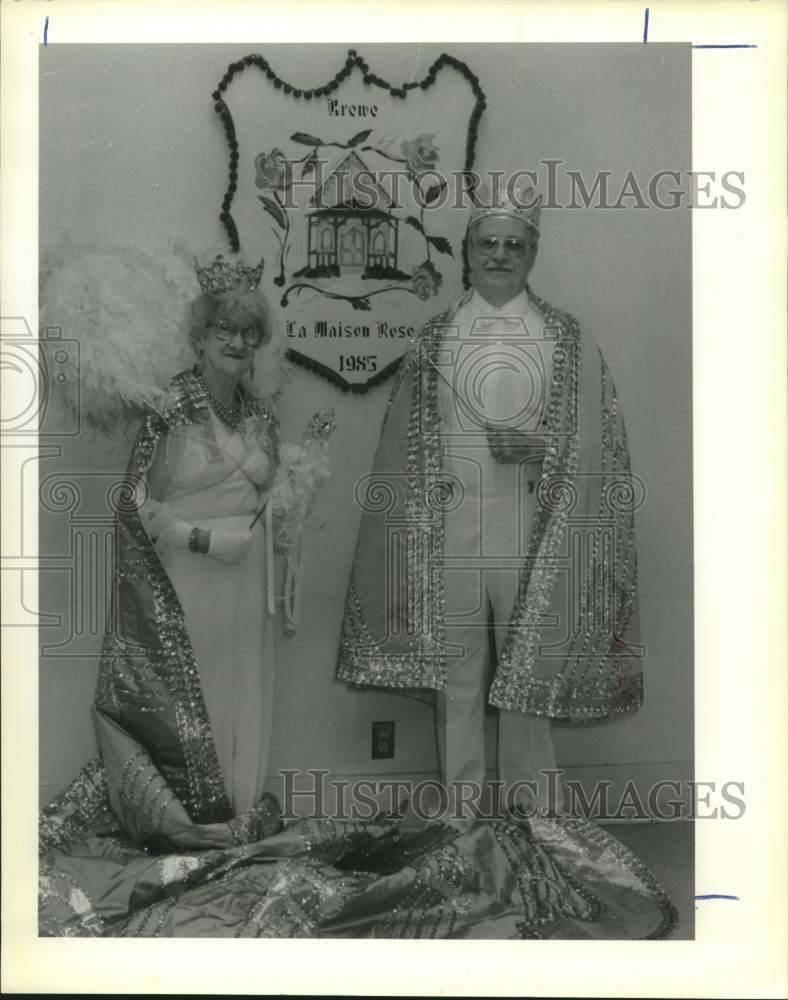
199 541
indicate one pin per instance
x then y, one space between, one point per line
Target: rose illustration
421 154
426 280
274 172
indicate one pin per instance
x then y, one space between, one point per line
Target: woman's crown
222 276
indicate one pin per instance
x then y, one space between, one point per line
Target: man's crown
222 276
514 201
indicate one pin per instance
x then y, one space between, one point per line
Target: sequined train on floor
551 878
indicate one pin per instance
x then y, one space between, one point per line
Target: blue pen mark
715 895
46 28
736 46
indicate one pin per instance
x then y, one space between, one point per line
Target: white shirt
495 367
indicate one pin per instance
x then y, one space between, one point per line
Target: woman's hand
508 446
229 546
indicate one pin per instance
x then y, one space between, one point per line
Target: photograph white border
739 309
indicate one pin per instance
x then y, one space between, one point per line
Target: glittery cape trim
393 632
394 637
585 520
81 808
630 869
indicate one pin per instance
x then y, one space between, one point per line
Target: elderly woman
184 702
208 479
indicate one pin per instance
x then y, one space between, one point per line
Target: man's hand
508 446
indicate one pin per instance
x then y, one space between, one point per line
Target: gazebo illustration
351 228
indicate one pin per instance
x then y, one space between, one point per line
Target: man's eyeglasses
514 247
252 336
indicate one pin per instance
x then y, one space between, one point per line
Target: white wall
131 152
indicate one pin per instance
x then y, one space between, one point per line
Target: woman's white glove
229 546
167 530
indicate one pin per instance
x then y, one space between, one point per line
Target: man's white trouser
483 549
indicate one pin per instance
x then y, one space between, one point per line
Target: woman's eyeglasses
514 247
252 336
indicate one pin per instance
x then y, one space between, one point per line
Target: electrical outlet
382 740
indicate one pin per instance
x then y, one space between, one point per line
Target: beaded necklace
230 414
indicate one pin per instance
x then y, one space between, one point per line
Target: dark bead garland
357 388
352 60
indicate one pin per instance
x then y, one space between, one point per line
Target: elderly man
496 509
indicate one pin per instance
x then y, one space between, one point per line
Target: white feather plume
130 313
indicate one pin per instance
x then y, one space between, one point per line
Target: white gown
232 633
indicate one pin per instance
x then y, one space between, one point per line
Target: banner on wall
355 194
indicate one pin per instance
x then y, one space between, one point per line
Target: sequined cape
157 758
572 646
324 878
